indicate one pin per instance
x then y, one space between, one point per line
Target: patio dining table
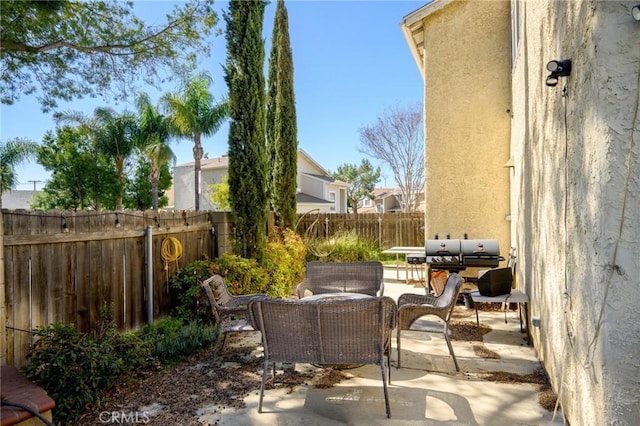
335 296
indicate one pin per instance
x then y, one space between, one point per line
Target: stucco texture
576 198
467 126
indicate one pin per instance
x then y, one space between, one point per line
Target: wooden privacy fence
64 266
387 229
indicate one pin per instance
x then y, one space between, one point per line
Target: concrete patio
425 391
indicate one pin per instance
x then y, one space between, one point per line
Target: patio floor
425 391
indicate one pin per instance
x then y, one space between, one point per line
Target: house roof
384 192
327 179
303 198
413 29
210 163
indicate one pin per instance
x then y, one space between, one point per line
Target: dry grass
467 331
547 397
482 352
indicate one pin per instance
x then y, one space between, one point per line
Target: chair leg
398 345
220 342
265 371
453 355
386 392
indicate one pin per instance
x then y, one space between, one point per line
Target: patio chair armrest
301 287
244 299
409 313
416 299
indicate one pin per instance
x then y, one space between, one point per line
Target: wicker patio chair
231 312
325 332
349 277
413 306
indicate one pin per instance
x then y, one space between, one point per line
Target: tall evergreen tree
247 145
282 129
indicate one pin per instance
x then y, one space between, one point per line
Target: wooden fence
387 229
63 266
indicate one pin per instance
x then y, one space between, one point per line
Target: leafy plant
244 276
284 261
174 340
74 368
189 300
345 246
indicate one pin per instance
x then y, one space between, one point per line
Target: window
332 198
367 202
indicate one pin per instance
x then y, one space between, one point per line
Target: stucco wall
467 95
578 202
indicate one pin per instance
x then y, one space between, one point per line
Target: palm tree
153 133
115 136
194 113
13 153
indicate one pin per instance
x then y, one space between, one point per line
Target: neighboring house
387 200
317 190
18 199
569 194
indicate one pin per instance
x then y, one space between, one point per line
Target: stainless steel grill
483 253
444 254
457 255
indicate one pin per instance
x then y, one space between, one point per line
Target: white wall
578 202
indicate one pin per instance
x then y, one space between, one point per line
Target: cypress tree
282 129
247 145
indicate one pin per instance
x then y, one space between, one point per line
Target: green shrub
243 276
74 368
189 301
174 340
284 262
344 246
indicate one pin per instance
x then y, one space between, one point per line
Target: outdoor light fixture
635 12
557 69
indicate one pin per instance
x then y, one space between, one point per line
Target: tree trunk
197 156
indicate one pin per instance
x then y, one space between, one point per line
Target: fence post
326 227
149 253
380 231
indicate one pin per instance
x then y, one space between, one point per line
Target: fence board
53 275
387 229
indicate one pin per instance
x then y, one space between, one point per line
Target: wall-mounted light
635 12
557 69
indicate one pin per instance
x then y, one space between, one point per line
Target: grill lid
443 254
484 253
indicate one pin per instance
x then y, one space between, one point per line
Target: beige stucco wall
578 202
467 126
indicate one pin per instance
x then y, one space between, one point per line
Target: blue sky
351 63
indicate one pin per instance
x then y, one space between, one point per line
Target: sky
351 64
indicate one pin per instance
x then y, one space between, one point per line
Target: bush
344 246
189 301
77 369
244 276
173 340
284 262
74 368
